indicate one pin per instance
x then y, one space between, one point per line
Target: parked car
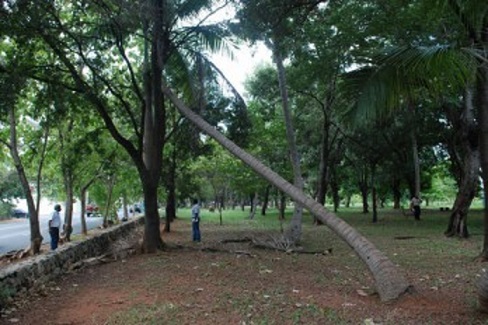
19 213
91 210
137 207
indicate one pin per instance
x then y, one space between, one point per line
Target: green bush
5 210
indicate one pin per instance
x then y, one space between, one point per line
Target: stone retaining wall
38 270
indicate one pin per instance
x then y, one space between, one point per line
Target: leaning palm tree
390 282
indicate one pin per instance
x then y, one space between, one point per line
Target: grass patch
143 314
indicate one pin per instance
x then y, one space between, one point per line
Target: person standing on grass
195 221
415 206
54 225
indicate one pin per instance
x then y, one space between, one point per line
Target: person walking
195 221
54 225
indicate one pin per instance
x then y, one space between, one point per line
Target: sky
245 61
246 58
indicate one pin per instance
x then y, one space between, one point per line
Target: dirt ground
235 284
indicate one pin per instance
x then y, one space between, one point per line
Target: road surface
15 233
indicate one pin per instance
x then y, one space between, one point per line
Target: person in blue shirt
195 221
54 225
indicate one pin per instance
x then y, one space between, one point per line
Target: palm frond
407 74
212 38
192 8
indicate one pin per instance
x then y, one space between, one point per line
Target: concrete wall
40 269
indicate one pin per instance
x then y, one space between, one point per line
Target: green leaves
406 74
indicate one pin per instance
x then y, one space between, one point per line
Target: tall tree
272 22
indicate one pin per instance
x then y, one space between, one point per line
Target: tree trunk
221 206
469 171
265 200
84 230
397 194
389 281
68 209
363 187
254 203
415 155
294 231
36 237
323 164
282 206
108 204
373 193
324 174
482 101
334 188
152 235
171 188
125 209
154 121
83 192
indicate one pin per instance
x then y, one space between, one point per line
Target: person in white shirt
415 206
54 225
195 221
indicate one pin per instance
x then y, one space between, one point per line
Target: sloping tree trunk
469 171
390 282
36 237
294 231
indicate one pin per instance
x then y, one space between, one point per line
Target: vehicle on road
19 213
92 210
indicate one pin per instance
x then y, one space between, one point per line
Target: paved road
15 234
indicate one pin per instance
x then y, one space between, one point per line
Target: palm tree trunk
294 232
390 282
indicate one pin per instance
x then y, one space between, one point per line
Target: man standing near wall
54 225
